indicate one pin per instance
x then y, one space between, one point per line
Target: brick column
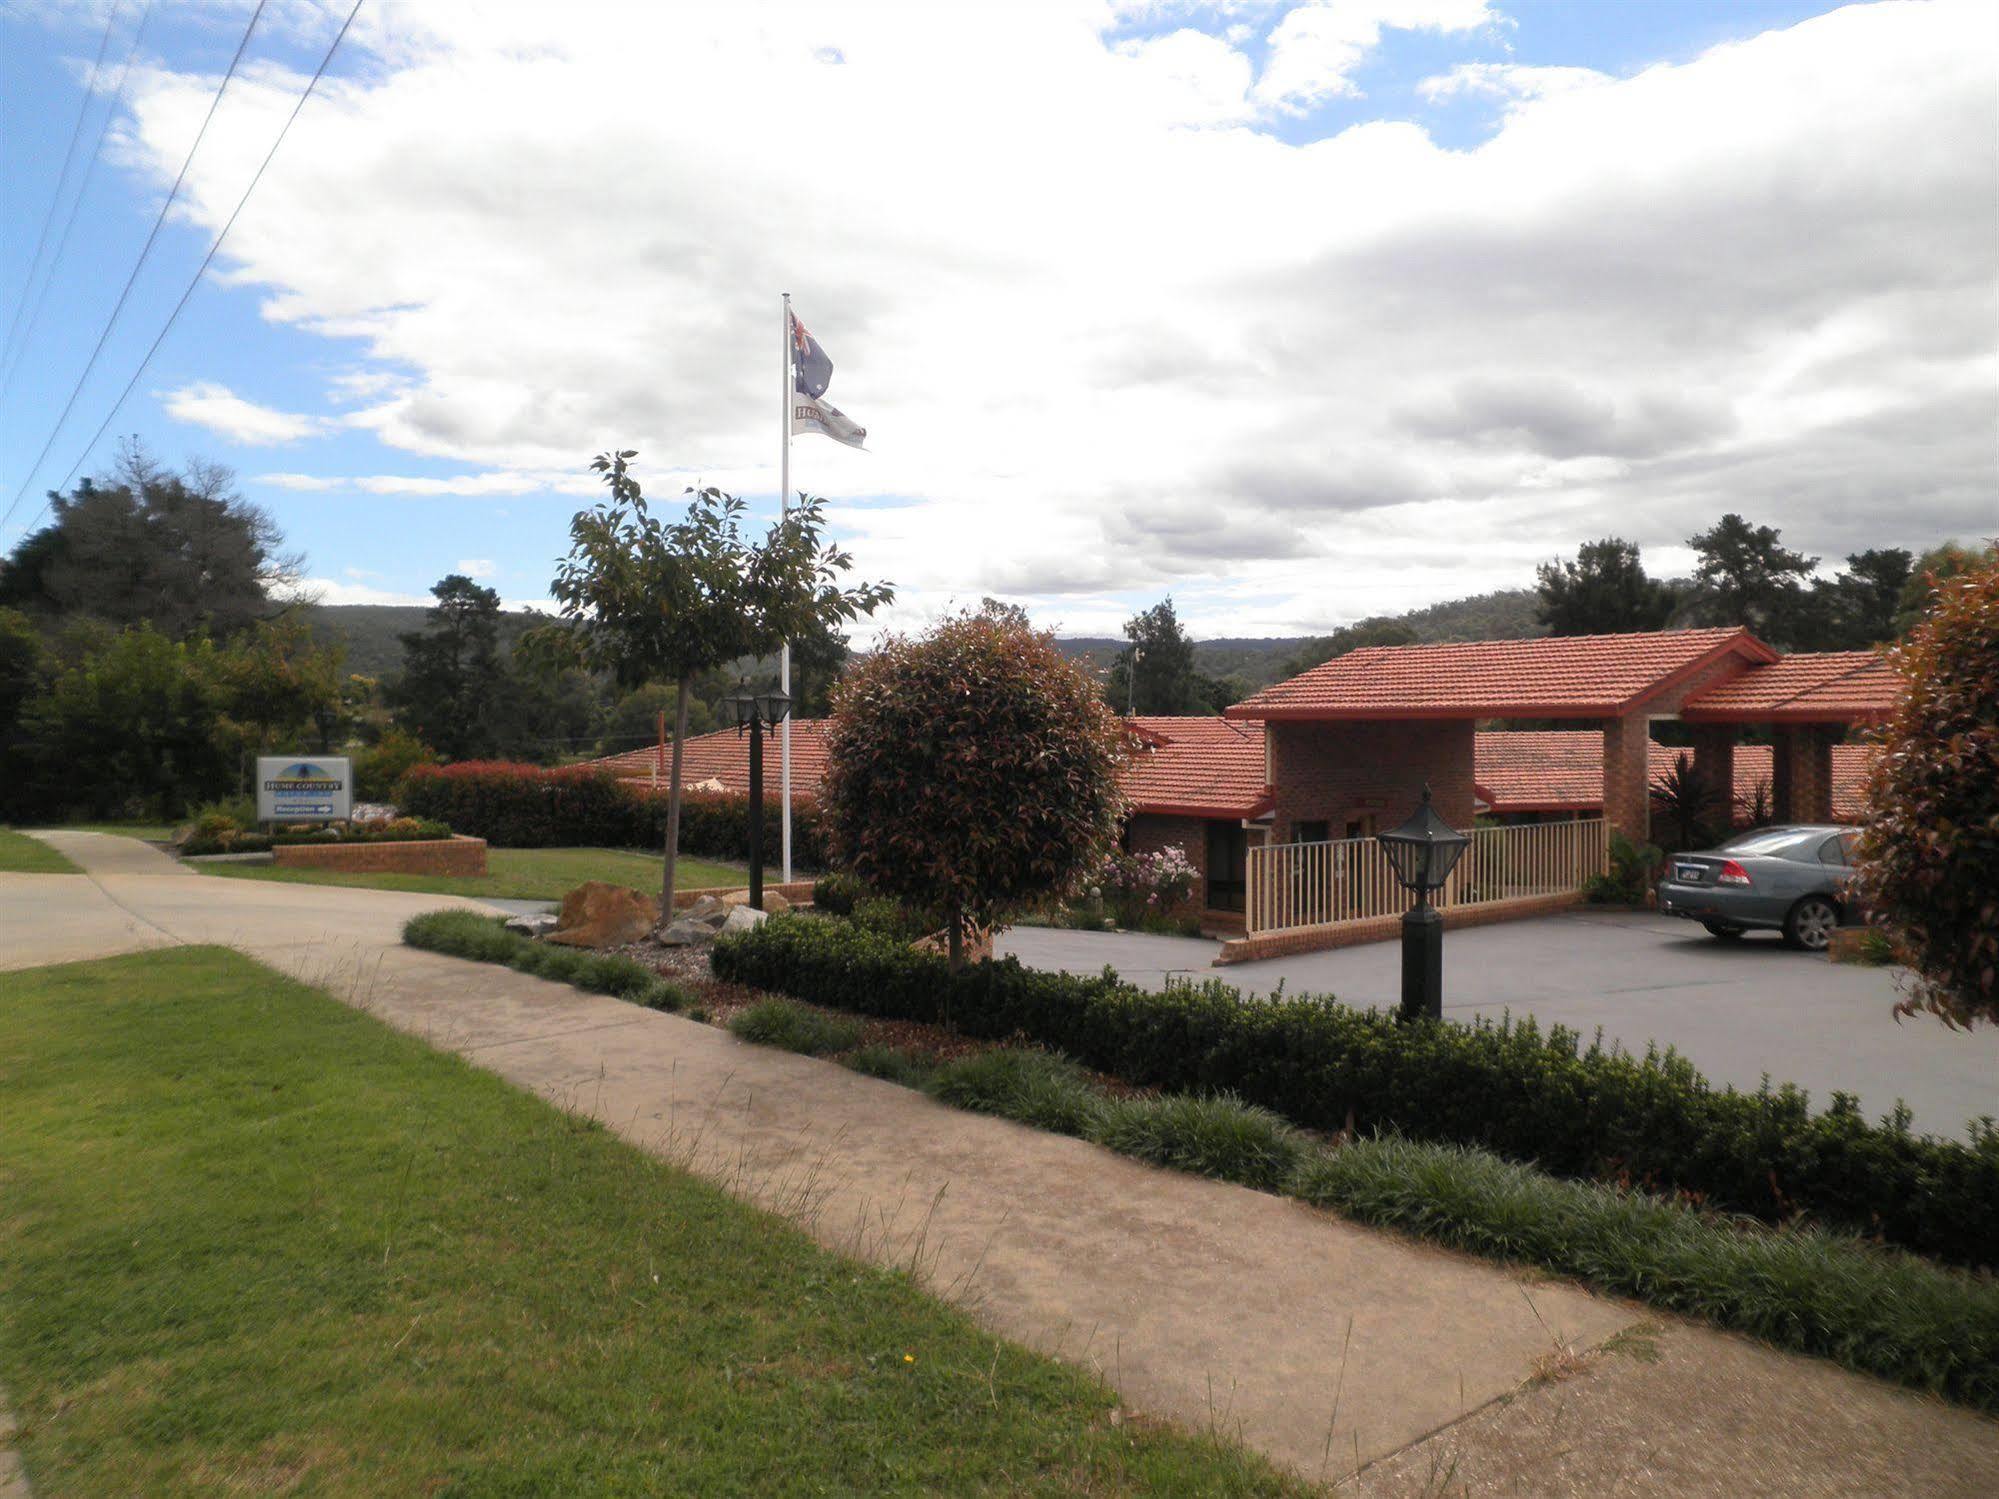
1627 788
1714 763
1801 761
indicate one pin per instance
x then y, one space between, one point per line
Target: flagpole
784 653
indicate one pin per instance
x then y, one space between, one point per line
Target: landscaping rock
599 914
687 932
742 918
537 924
710 908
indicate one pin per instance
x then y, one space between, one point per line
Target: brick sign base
455 855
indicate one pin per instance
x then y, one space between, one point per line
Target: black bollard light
753 713
1423 852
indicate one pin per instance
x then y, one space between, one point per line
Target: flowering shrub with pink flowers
1136 886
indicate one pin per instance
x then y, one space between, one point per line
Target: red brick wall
1801 760
1340 772
1627 776
454 855
1668 704
1714 763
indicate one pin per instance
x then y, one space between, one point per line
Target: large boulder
743 918
599 914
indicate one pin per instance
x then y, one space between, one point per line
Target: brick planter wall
1386 928
456 855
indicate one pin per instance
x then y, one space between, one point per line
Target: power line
147 249
76 205
202 269
62 177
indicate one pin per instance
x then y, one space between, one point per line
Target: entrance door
1228 865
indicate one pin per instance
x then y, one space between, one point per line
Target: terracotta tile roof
1573 676
1198 767
1188 767
724 756
1561 770
1823 686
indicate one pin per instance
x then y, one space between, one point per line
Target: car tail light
1732 873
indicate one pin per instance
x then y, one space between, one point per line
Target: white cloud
340 591
1315 48
221 411
1504 80
1100 351
477 567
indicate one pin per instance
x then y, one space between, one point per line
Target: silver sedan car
1787 879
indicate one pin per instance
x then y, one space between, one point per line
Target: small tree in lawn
972 772
645 600
1928 867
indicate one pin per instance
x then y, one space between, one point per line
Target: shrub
525 806
1504 1086
380 767
484 939
1928 867
1629 880
1213 1134
836 894
893 1064
218 834
1816 1292
1142 888
973 771
890 918
1029 1087
792 1026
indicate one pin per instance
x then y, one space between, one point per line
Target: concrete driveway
1738 1011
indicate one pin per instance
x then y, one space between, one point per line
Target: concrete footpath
1333 1348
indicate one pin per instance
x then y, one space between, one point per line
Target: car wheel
1810 924
1722 930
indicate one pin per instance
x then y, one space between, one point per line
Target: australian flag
811 373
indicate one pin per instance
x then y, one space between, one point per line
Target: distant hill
370 633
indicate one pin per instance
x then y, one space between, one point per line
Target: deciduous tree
972 772
1929 856
644 600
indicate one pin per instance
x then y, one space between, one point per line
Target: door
1228 861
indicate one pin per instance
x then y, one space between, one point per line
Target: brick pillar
1627 788
1714 763
1801 759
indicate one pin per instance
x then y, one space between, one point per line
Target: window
1228 866
1838 849
1316 831
1361 826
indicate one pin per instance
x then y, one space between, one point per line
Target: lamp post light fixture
1423 852
754 712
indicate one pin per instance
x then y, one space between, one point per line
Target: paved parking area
1738 1010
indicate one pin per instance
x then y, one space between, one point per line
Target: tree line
154 639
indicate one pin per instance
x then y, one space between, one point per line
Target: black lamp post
755 712
1423 852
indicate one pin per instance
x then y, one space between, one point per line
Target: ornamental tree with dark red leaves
972 772
1929 858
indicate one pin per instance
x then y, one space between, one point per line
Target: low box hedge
1508 1087
526 806
219 836
485 939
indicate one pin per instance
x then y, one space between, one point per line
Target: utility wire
76 390
202 269
62 178
62 241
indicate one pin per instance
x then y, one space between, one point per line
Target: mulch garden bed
716 1001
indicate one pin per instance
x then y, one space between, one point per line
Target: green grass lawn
252 1240
512 874
20 854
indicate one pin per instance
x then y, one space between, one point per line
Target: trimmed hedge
484 939
1649 1120
209 837
525 806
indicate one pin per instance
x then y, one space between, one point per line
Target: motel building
1277 800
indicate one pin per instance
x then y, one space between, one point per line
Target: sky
1299 312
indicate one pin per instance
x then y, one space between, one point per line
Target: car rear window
1779 844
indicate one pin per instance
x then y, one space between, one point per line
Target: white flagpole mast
784 654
